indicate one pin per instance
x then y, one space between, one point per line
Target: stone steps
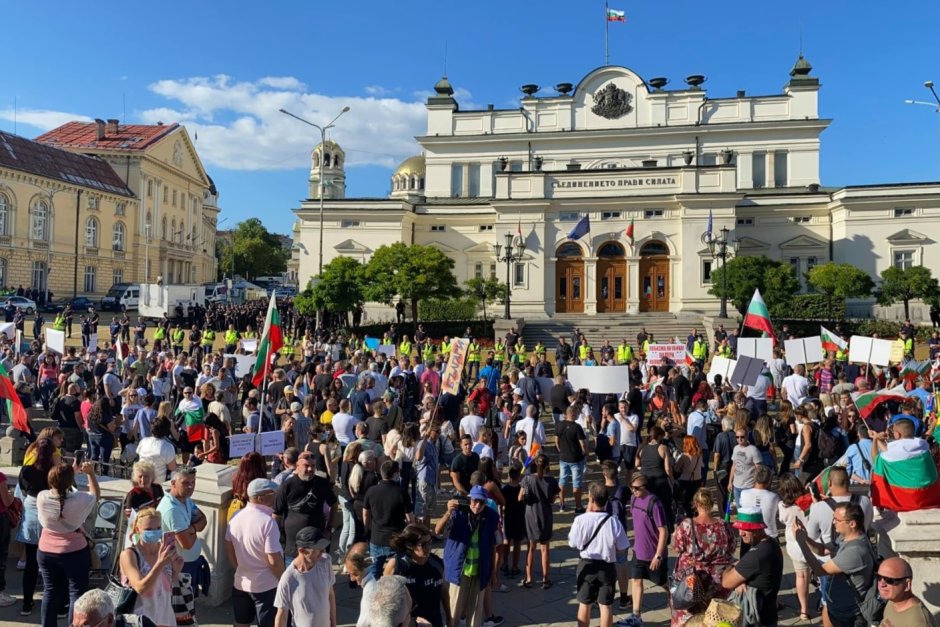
613 327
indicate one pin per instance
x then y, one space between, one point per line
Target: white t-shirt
470 425
819 523
797 387
767 501
534 431
628 435
483 450
307 595
344 425
159 452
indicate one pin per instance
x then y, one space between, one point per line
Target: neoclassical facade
620 150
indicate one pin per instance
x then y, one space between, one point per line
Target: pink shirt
61 524
254 534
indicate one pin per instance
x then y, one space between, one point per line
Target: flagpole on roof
606 34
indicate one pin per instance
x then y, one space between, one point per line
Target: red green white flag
629 231
904 477
757 316
913 369
831 342
867 402
15 407
271 342
193 418
613 15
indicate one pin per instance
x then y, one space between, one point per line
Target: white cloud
43 119
240 127
378 90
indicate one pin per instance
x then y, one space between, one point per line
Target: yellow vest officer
624 354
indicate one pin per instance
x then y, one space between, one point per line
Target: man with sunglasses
894 579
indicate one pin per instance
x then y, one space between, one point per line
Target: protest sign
271 442
759 347
868 350
722 366
806 350
240 445
665 354
600 379
453 369
746 371
55 340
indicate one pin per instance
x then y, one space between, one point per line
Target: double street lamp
513 253
721 248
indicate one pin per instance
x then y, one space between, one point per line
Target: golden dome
411 166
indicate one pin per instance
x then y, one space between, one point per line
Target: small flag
728 508
831 342
913 369
582 228
689 359
613 15
533 453
119 357
708 227
271 342
866 402
757 316
629 231
15 407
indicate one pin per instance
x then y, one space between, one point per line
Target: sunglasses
891 581
637 487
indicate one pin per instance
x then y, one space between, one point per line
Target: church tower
334 174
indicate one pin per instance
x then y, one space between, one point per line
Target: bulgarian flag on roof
867 402
271 342
831 342
613 15
904 477
757 316
193 418
14 404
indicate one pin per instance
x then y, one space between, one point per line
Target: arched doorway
654 276
569 279
611 278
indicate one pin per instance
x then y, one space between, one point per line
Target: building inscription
640 181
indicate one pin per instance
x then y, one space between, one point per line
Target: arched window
569 250
3 272
4 217
91 233
39 221
117 241
654 247
163 229
414 182
421 183
326 159
173 230
610 249
316 160
183 232
148 226
336 161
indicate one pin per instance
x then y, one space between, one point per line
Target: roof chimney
99 129
112 126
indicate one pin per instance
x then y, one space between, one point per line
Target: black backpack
616 507
829 445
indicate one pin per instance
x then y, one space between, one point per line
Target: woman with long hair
158 449
34 478
764 441
151 567
654 461
348 535
658 406
102 425
785 434
688 473
362 477
213 440
539 491
415 561
64 554
48 380
705 544
250 467
790 489
55 434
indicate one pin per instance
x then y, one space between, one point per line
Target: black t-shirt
276 389
322 382
68 406
570 435
300 504
762 568
359 402
377 428
138 497
559 398
464 466
387 503
101 367
424 583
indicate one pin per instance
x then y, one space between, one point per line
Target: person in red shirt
481 394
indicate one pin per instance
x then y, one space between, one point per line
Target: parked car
80 304
20 302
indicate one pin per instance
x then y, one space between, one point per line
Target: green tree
903 286
775 280
254 251
340 288
485 290
838 281
780 285
411 272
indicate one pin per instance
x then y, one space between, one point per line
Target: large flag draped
271 342
757 316
193 419
904 477
831 342
15 407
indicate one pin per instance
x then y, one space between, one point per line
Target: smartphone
79 457
169 538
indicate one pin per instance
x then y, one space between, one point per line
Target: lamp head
345 109
928 84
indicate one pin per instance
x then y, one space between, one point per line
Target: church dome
409 177
411 165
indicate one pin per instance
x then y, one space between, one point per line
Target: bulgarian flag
913 369
629 231
119 357
757 316
689 359
271 342
193 418
904 477
831 342
867 402
14 405
613 15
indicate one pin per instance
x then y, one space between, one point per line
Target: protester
96 609
151 566
305 592
158 449
571 442
180 516
389 604
386 510
650 540
759 572
539 491
902 609
305 499
745 458
252 466
423 572
655 462
34 478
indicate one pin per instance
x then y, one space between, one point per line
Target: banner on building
453 369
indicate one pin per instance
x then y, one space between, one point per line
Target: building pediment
351 246
479 248
444 248
907 236
749 244
803 241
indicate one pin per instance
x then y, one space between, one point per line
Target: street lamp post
323 129
513 253
722 248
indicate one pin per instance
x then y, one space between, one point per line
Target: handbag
687 588
123 597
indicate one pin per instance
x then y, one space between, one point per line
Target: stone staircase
613 327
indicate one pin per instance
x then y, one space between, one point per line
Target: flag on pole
629 231
904 477
689 358
831 342
15 407
867 402
708 227
271 342
582 228
533 453
913 369
757 316
613 15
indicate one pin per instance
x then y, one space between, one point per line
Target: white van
121 294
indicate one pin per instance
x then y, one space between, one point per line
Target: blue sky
224 69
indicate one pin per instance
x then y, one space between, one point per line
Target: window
486 227
91 233
492 272
706 271
182 233
149 188
163 229
3 271
4 217
348 223
902 212
478 270
710 158
117 241
438 228
801 219
903 259
759 169
745 222
39 219
515 166
117 276
148 226
89 279
610 215
780 168
653 213
456 179
166 193
795 264
39 275
92 202
173 232
473 175
120 209
810 264
174 197
518 275
569 216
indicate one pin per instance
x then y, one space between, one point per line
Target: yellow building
171 234
67 212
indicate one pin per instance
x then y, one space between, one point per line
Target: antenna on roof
801 38
445 57
14 115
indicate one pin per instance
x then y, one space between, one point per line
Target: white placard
807 350
8 329
55 340
659 354
243 364
250 346
746 371
868 350
160 387
759 347
17 343
93 342
722 366
600 379
387 349
271 442
240 445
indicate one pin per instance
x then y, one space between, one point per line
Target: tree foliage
774 279
340 288
412 273
903 286
838 281
254 250
485 290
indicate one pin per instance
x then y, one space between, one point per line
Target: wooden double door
569 286
654 283
611 285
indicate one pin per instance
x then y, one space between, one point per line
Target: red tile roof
85 135
26 155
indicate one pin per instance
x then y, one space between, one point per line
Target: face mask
149 536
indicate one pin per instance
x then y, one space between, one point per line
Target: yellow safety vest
250 335
539 349
386 341
624 354
445 348
646 346
428 352
699 350
725 350
842 355
583 351
404 349
499 351
520 350
909 346
231 337
159 333
178 337
208 338
474 352
59 323
288 348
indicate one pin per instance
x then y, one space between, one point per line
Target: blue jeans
64 576
348 534
379 555
574 470
100 446
46 388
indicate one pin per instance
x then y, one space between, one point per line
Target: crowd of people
684 481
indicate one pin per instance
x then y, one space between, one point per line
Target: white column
590 285
769 168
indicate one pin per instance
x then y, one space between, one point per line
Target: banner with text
453 369
665 354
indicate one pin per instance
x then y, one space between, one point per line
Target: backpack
829 445
832 503
615 506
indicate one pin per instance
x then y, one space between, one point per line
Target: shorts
640 569
597 581
574 470
628 455
427 499
247 606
